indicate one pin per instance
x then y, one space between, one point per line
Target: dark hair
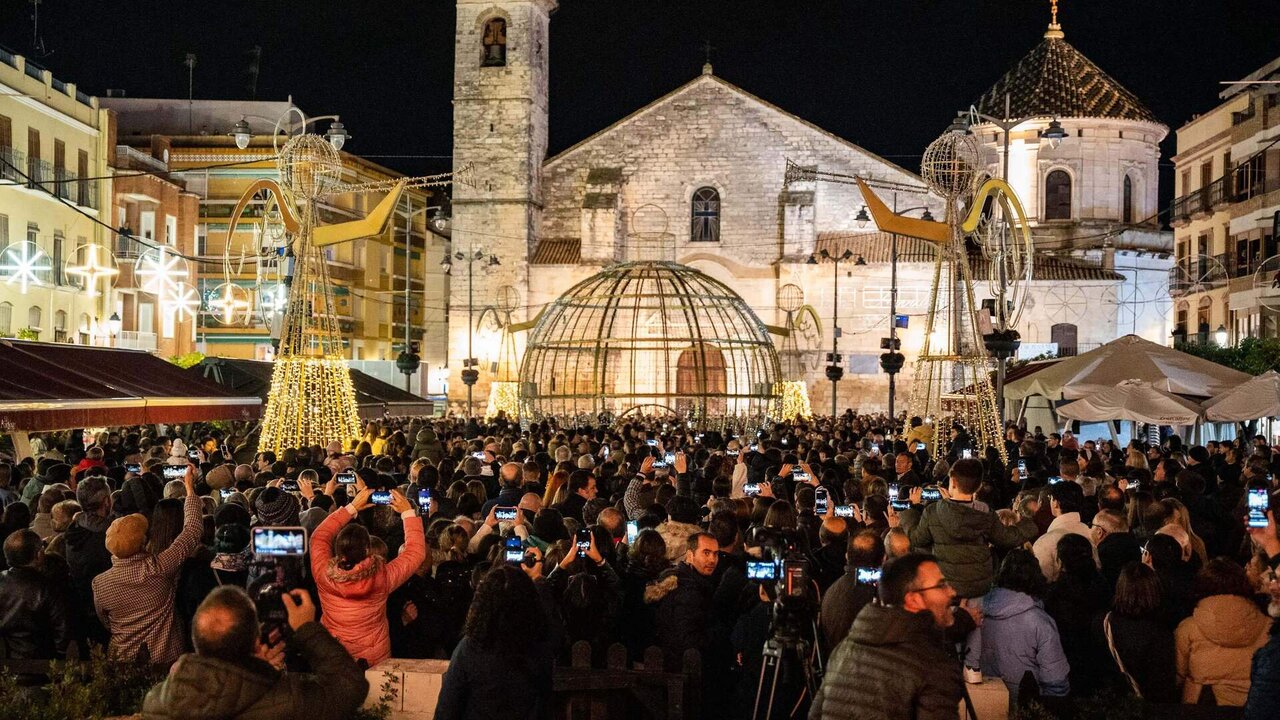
232 642
1190 483
230 538
724 526
693 541
866 549
967 474
1111 497
21 548
165 525
1222 577
1070 496
578 480
1137 591
1165 552
1075 554
683 509
506 613
648 553
351 546
781 516
899 575
1020 572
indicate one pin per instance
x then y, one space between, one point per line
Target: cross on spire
707 47
1055 30
1053 9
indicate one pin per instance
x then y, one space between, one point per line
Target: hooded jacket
1215 646
427 446
684 612
355 600
1019 636
893 665
202 688
960 535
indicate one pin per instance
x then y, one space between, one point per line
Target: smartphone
279 541
505 514
751 489
1135 485
583 541
1022 470
604 451
174 472
424 501
800 475
227 492
134 468
513 551
193 456
930 494
867 575
820 501
478 455
1055 480
762 570
380 497
754 448
633 531
669 458
346 477
1258 507
731 453
893 491
659 464
966 454
289 485
844 511
900 505
651 442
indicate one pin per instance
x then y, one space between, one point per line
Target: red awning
57 386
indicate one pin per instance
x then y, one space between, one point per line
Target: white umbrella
1129 357
1256 398
1133 400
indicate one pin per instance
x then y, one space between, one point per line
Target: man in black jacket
87 556
232 674
896 663
34 621
684 597
582 487
846 597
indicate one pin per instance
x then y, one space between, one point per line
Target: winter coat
960 535
488 684
202 688
639 618
676 536
427 446
683 616
1216 645
840 607
1146 648
1046 547
355 600
1264 690
1074 603
893 665
1019 636
34 619
87 557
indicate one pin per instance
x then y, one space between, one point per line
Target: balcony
40 174
12 161
133 340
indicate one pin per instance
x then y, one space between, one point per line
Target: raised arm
415 543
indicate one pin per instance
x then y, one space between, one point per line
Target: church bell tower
500 130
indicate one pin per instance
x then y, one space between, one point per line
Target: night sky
886 74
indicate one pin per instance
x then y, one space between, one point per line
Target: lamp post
408 360
470 375
1003 341
113 327
337 134
891 361
834 371
1220 335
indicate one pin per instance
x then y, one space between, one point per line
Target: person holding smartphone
353 583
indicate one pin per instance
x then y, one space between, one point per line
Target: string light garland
26 264
320 406
504 397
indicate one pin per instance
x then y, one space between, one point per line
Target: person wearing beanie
232 512
275 507
221 476
56 473
426 445
135 599
232 552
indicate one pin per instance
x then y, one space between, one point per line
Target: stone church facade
698 177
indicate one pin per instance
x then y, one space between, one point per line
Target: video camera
279 557
784 570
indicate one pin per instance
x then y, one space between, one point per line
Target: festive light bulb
793 400
230 304
24 263
160 270
99 264
503 397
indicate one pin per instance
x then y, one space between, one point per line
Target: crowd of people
906 564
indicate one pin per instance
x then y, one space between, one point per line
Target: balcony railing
133 340
12 163
39 174
65 183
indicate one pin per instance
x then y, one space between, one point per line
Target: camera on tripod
279 556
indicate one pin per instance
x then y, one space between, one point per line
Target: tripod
778 649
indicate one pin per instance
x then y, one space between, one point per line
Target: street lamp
891 361
834 371
1220 335
113 324
862 218
337 134
1055 134
470 375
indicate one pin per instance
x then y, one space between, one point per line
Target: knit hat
231 513
220 477
178 452
58 473
276 507
127 535
231 538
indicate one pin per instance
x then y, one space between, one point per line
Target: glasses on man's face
942 585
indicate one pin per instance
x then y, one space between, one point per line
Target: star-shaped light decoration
230 304
159 270
99 264
182 300
273 299
26 264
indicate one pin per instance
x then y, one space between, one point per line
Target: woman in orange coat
354 583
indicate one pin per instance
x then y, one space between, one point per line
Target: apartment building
1226 217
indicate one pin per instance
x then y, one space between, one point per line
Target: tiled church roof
1056 80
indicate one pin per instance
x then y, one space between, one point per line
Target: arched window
705 215
60 326
1064 334
495 43
1126 210
33 317
1057 196
6 319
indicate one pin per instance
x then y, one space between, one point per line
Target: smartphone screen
867 575
820 501
762 570
513 551
670 458
651 442
380 497
504 514
930 494
346 477
478 455
583 541
193 456
134 468
279 541
966 453
844 511
227 492
174 472
1022 470
289 485
633 531
1055 480
1257 507
893 491
751 489
900 505
424 501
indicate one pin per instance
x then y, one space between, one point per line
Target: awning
59 386
375 398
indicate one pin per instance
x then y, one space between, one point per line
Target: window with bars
1126 211
705 215
1057 196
